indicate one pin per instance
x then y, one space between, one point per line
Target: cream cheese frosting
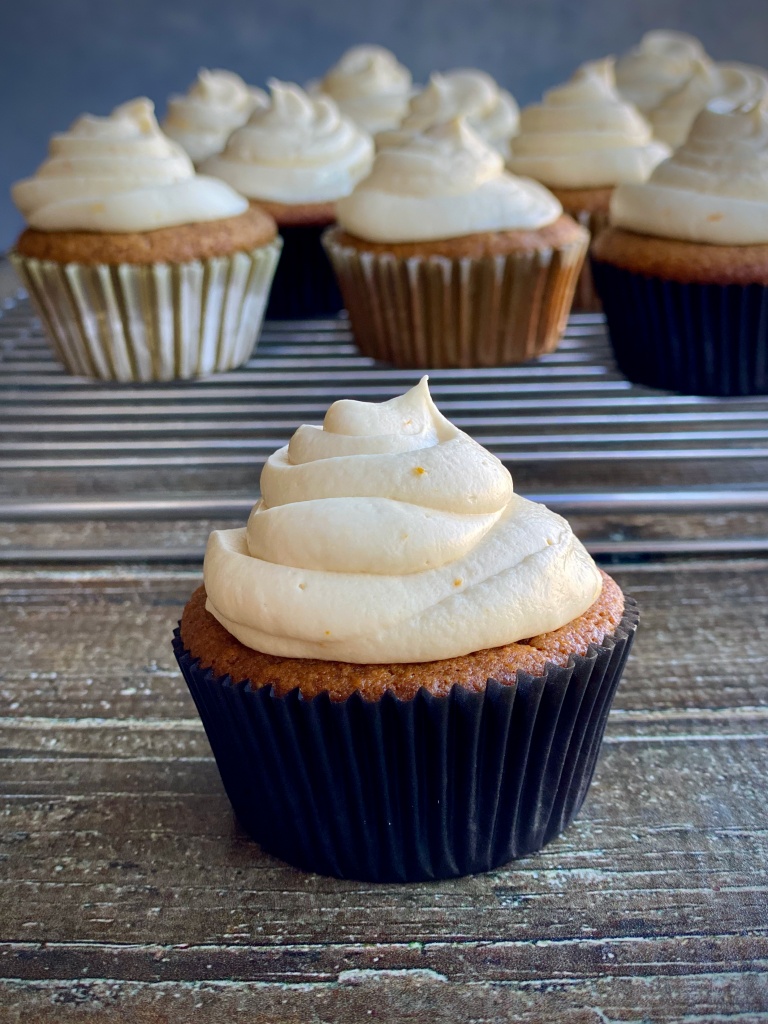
713 189
584 135
444 183
492 112
659 65
121 174
735 84
389 535
297 149
215 105
370 87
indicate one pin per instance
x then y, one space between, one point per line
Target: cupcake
445 259
658 66
404 669
215 105
370 87
683 270
140 269
492 112
581 141
294 159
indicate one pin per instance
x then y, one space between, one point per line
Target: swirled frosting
660 64
584 135
735 84
215 105
712 189
120 173
491 111
370 87
298 149
388 535
443 183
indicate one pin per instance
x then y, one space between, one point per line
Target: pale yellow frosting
465 92
713 189
660 64
370 87
584 135
215 105
120 173
444 183
298 149
735 84
388 535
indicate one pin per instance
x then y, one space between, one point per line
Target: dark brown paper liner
433 787
433 311
696 339
585 298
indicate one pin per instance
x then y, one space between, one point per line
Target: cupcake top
388 535
713 189
120 174
215 104
660 64
370 87
736 84
297 149
444 183
465 92
584 135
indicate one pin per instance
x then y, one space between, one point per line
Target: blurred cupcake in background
295 158
370 87
139 268
215 105
581 141
683 271
445 259
492 112
658 66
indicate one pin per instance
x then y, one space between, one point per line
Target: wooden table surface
127 891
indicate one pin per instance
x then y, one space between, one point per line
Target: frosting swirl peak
120 173
297 149
660 64
713 189
370 87
215 105
584 135
388 535
443 183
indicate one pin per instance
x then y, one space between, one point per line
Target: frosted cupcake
445 259
370 87
661 64
215 105
404 669
295 158
139 268
581 141
683 271
492 112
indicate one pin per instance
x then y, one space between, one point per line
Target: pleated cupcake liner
405 791
585 298
305 285
432 311
696 339
155 322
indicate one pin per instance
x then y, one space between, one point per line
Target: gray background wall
59 58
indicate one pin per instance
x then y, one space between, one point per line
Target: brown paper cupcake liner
585 298
428 788
158 322
432 311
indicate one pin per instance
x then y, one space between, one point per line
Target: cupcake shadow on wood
425 699
139 269
445 260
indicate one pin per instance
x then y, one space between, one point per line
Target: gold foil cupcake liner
432 311
154 322
585 298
